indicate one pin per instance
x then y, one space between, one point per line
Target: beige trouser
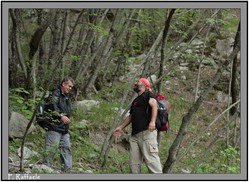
143 146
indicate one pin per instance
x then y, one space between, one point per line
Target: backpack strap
148 96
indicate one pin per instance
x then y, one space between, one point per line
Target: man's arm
154 109
126 122
54 101
61 116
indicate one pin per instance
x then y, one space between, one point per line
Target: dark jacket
58 104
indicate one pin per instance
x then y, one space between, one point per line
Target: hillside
90 128
193 53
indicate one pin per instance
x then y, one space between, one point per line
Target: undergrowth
87 140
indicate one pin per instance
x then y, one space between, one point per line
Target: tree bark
234 73
63 40
165 32
149 55
16 34
37 36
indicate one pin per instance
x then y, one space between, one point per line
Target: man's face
66 87
138 82
138 86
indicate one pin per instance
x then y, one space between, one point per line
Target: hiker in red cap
143 139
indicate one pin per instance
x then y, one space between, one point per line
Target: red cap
145 81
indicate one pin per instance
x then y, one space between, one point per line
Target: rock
197 42
184 64
222 97
209 62
183 44
27 153
11 160
42 168
88 172
82 124
176 55
224 47
87 104
152 78
135 69
183 77
141 57
186 171
167 82
40 93
189 51
18 124
183 68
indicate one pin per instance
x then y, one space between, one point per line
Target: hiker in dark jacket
143 139
57 135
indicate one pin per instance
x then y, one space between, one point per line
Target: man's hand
65 119
152 126
117 132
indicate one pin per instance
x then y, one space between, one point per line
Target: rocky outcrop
18 124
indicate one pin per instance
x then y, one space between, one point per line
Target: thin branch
217 136
204 131
200 65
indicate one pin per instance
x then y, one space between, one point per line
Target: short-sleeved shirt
141 112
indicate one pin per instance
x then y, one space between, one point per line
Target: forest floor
87 142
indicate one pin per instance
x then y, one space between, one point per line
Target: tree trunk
234 72
16 34
37 36
165 32
56 32
13 61
34 44
63 40
149 55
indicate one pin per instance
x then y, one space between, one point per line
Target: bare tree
87 57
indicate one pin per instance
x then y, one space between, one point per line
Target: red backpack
162 122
